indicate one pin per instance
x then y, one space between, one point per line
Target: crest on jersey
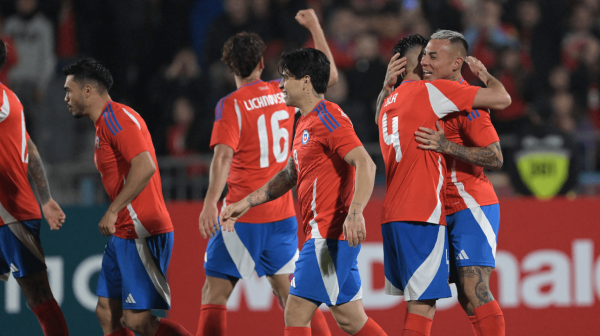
305 137
97 142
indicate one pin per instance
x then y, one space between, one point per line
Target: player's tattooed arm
35 168
281 183
52 211
489 157
395 68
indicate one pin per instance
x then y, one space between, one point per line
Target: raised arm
495 95
52 211
489 157
354 226
281 183
395 68
141 169
219 170
308 19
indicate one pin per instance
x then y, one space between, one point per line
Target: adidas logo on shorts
130 299
13 268
462 255
293 282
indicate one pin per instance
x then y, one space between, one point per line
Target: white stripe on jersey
437 212
132 118
440 104
5 110
239 115
475 208
313 222
23 139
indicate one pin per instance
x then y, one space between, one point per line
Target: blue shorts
473 235
327 272
20 249
415 258
268 249
133 270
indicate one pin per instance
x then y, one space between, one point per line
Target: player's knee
138 323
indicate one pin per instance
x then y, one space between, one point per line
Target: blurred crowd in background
165 59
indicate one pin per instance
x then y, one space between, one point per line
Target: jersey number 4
394 138
280 152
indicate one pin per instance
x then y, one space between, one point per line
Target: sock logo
130 299
462 255
13 268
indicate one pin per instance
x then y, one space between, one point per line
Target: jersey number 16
280 153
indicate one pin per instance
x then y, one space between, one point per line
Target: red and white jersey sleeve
415 177
325 180
467 186
17 202
121 135
255 122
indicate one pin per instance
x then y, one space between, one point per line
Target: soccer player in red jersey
132 279
20 217
414 232
251 139
335 176
470 143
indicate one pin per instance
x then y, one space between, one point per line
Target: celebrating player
335 178
132 279
20 218
251 138
472 209
414 232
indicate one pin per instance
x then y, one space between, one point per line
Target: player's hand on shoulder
208 221
308 18
477 68
232 213
53 214
355 231
396 67
107 223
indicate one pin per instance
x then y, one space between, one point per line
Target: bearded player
132 279
470 143
335 177
20 218
414 232
251 139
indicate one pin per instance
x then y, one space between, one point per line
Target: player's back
415 177
121 135
256 123
17 201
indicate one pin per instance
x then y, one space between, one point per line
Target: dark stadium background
164 57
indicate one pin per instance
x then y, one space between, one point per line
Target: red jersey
256 123
121 134
415 177
325 180
466 184
17 202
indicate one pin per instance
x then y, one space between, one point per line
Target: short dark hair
409 42
307 62
89 69
2 53
242 52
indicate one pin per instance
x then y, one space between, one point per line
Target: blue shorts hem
316 302
220 275
475 263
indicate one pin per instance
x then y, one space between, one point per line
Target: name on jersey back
263 101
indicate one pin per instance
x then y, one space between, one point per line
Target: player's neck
455 76
239 82
309 103
96 107
411 77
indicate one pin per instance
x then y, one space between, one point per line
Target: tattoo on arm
483 157
38 173
276 187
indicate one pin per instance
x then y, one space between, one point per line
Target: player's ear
261 64
305 81
458 63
